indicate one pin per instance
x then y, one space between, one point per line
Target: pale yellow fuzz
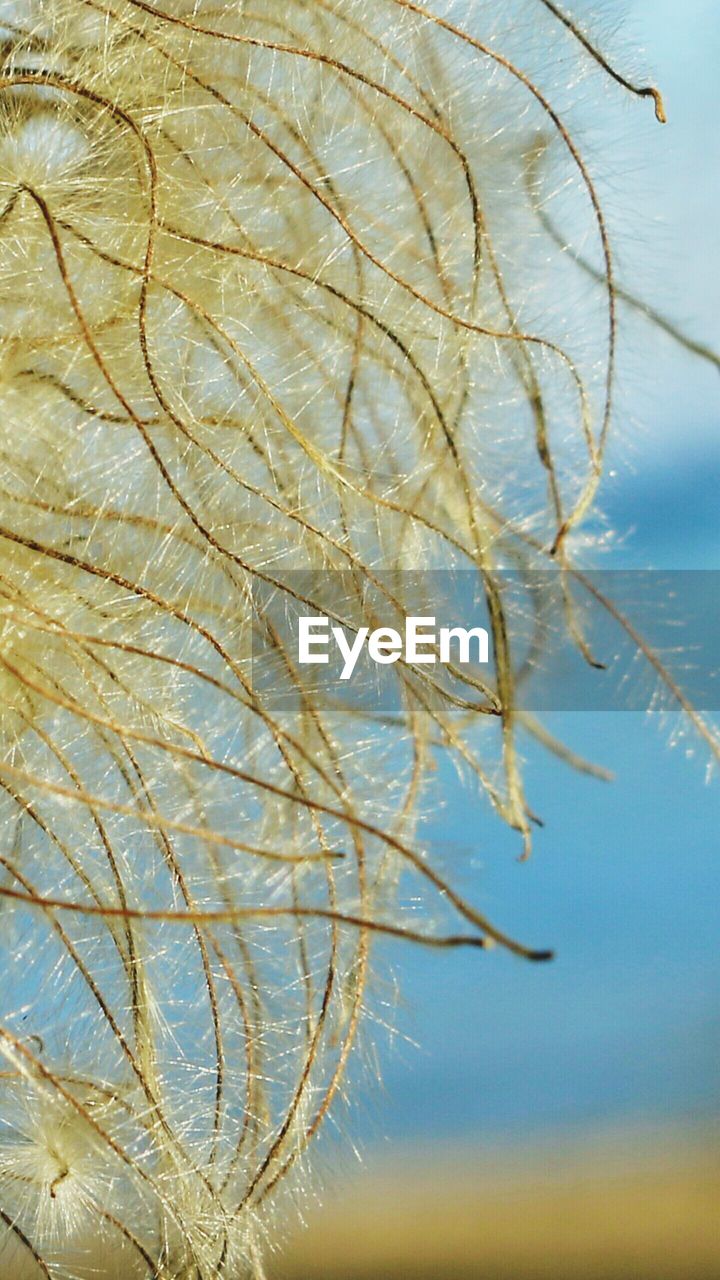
277 329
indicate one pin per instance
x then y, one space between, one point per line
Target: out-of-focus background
563 1121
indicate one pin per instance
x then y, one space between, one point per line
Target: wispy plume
274 297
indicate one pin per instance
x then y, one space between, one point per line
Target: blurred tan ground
633 1206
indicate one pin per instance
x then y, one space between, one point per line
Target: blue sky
625 1026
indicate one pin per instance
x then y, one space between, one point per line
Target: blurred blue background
624 1027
